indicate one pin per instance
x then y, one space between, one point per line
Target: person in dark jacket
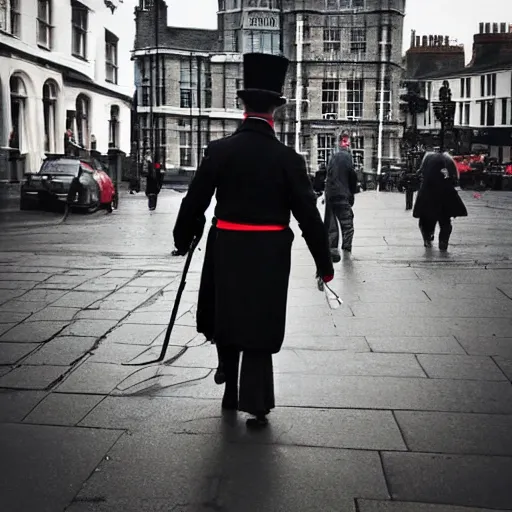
154 181
258 182
437 200
340 188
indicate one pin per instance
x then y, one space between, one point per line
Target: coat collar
256 125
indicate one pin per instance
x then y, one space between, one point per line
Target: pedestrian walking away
154 182
340 188
438 201
259 182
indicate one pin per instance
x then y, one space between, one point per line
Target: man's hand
178 253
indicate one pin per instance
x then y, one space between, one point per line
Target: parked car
63 179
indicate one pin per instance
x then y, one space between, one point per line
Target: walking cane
175 308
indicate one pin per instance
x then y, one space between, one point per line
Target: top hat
264 77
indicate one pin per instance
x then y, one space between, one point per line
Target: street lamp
444 110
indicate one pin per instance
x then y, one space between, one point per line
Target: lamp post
416 104
444 110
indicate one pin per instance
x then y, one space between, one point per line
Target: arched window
49 105
113 127
82 120
18 90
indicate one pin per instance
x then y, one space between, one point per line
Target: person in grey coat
340 187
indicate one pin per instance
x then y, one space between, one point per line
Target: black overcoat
437 198
244 285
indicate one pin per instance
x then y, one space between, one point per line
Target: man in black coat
340 188
154 182
258 183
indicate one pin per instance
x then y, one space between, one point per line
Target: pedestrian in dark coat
154 182
258 183
437 200
340 188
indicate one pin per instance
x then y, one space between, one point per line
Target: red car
67 179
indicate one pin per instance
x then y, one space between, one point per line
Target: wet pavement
398 401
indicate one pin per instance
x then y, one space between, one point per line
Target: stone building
482 90
342 53
64 65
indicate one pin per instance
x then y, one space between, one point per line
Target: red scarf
269 118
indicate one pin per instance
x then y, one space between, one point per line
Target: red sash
235 226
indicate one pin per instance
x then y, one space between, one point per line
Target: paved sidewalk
398 401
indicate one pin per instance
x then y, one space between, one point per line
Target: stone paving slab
487 345
79 299
134 334
54 314
88 327
94 378
450 479
32 332
62 351
20 306
505 366
401 506
437 432
24 276
11 353
6 327
10 317
55 462
32 377
117 353
102 284
327 343
100 314
15 405
47 296
296 474
15 288
460 367
63 409
375 393
415 344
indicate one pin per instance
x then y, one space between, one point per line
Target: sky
458 19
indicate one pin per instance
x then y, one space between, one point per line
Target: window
110 57
44 20
386 101
354 99
239 86
160 139
357 144
49 104
79 21
504 105
326 144
10 17
337 5
207 85
261 41
487 114
82 120
185 149
465 87
145 131
467 114
262 4
490 81
160 80
358 40
332 40
464 111
482 86
330 99
188 84
18 136
145 81
113 127
385 41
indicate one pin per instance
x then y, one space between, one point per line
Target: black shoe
260 421
443 246
219 377
427 244
335 257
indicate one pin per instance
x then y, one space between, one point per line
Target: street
398 401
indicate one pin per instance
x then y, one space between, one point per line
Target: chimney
431 40
481 28
494 28
424 41
503 28
418 41
413 38
447 40
487 28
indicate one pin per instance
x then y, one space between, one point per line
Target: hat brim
273 97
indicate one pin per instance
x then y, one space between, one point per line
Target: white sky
457 18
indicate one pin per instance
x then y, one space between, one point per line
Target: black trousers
343 214
152 200
256 390
409 196
428 227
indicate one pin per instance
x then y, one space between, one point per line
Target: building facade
65 66
342 53
482 92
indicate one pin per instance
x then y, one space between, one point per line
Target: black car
52 184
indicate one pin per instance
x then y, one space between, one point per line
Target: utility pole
383 43
298 88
